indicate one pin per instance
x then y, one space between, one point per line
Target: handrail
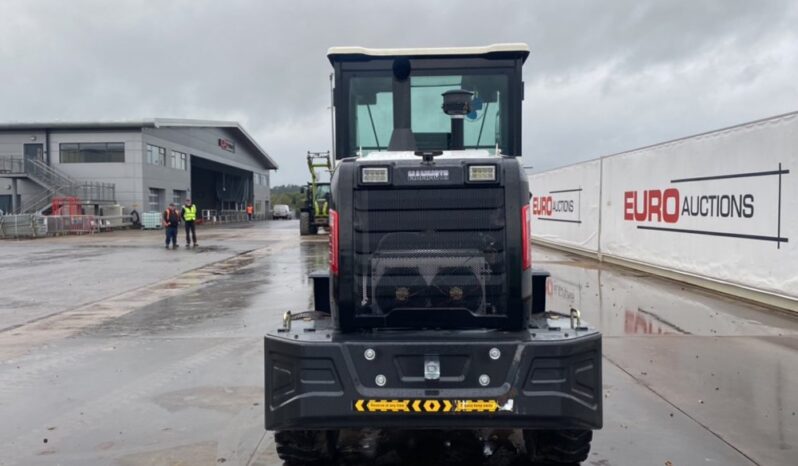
42 171
11 166
37 203
55 183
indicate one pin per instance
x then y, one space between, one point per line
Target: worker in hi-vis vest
189 217
171 219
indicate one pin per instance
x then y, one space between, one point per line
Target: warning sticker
432 406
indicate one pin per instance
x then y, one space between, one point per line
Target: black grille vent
433 232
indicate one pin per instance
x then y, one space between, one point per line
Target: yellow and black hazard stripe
431 406
382 406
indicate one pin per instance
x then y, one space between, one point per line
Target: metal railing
37 202
11 166
38 226
55 183
66 186
47 175
103 192
228 216
22 226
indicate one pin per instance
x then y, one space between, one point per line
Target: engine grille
430 248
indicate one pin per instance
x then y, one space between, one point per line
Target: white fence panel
720 206
565 205
723 205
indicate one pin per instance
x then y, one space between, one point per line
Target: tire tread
558 446
304 447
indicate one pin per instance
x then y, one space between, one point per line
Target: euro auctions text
669 205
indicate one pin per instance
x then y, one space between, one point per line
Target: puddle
220 291
623 302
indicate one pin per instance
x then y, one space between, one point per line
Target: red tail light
333 242
525 231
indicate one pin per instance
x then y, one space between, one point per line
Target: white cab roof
410 155
483 50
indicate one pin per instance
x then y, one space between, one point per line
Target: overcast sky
603 76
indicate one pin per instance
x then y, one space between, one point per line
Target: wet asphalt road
116 351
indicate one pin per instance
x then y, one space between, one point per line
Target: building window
92 152
178 197
156 155
155 200
262 179
179 160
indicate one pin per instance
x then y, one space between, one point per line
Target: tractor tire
306 447
304 224
558 446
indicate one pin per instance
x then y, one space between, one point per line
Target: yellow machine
315 212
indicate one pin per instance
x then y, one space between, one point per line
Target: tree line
289 195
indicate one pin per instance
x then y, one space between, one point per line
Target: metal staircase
54 183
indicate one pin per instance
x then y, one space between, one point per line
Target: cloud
603 76
630 99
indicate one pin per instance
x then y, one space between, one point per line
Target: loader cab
429 201
322 197
392 99
316 198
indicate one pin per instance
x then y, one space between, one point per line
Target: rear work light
334 229
374 175
482 173
526 252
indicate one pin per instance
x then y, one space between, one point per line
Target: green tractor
315 212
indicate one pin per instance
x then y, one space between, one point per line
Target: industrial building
140 165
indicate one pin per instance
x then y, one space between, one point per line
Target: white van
281 211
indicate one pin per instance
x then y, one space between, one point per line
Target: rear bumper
544 379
